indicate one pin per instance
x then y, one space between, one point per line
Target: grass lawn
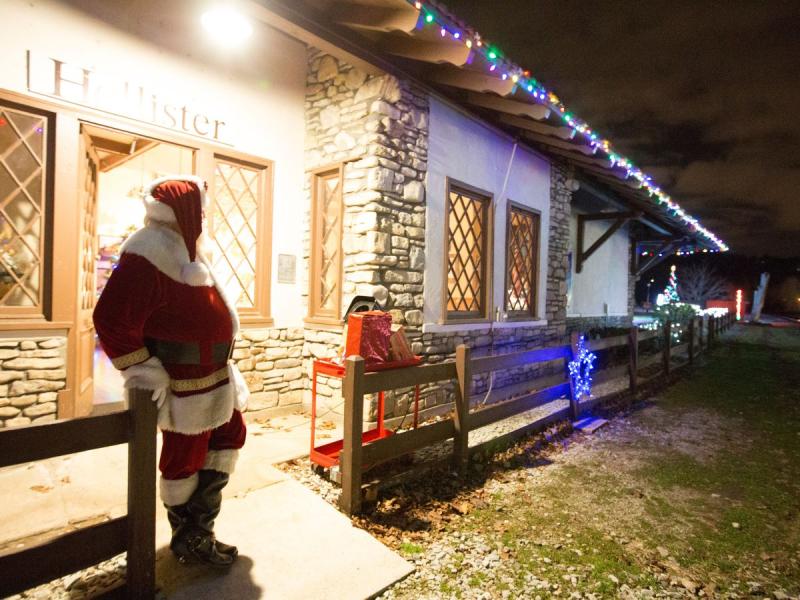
695 492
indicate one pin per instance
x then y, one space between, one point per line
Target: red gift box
368 336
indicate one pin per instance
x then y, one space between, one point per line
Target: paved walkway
293 544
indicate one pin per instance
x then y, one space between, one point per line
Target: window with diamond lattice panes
522 250
23 147
239 235
467 260
325 301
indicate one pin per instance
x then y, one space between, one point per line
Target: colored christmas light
580 370
522 78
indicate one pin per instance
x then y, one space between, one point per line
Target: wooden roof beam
509 107
580 160
619 218
137 148
561 145
467 79
564 133
432 51
400 17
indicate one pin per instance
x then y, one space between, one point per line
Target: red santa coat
146 307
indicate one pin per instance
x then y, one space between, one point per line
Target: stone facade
32 370
377 126
271 362
589 325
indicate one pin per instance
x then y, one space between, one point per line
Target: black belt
186 353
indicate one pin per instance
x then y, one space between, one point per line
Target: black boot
190 543
203 508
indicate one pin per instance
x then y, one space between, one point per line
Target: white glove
149 375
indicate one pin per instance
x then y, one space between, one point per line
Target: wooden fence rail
467 417
83 548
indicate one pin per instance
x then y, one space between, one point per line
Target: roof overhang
394 36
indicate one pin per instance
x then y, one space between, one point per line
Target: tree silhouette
700 283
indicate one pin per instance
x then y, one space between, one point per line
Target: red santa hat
180 199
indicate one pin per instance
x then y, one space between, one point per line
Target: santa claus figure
166 324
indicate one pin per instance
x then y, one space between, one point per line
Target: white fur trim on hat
160 211
221 460
177 491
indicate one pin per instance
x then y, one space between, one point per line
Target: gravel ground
663 502
88 583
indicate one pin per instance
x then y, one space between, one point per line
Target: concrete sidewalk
293 544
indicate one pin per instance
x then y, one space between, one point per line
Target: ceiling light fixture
226 26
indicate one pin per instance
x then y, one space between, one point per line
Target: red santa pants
184 455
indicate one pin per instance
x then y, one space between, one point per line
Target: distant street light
649 283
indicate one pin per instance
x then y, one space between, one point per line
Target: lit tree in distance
671 291
700 283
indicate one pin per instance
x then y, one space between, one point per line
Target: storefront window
522 250
239 232
325 301
23 144
467 258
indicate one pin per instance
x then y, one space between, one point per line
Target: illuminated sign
101 91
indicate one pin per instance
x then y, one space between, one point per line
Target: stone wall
377 126
589 325
271 362
31 373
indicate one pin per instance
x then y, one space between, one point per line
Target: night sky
704 96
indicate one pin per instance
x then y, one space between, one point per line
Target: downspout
494 220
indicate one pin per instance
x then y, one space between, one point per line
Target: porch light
226 26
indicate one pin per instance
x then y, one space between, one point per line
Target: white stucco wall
464 149
601 288
257 91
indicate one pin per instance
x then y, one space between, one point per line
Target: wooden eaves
391 35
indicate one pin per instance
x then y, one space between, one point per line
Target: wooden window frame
259 314
487 200
519 315
42 310
315 256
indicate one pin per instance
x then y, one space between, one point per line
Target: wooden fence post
461 439
691 340
700 335
141 522
350 457
667 345
633 363
574 405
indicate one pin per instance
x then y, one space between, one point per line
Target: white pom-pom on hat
196 274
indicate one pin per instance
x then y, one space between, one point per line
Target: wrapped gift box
368 336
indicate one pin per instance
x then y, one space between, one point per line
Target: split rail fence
83 548
466 417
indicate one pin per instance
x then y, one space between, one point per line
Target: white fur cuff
221 460
147 375
177 491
